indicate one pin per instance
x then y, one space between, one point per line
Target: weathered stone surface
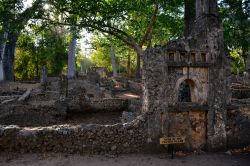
238 126
44 77
127 117
198 60
28 115
201 62
90 139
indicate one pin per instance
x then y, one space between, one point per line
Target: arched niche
189 90
185 89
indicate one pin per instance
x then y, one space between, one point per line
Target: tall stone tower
186 86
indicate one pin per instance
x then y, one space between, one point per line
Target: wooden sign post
171 141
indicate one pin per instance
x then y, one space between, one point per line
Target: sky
27 3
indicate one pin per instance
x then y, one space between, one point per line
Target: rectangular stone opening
203 57
193 59
171 56
183 54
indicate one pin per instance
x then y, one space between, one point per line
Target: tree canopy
128 26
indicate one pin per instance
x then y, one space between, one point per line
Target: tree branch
151 24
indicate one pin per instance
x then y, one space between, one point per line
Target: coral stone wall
238 126
107 104
198 75
179 60
189 124
90 139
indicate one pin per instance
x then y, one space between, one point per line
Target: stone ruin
186 92
187 86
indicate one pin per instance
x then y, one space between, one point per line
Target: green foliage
14 17
237 65
235 15
83 63
101 57
126 20
48 47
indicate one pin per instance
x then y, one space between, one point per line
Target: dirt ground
206 159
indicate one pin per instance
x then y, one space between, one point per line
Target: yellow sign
172 140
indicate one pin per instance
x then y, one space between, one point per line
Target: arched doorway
187 91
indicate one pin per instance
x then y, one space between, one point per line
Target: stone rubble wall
28 115
135 105
135 86
95 105
89 139
191 125
241 93
238 127
123 138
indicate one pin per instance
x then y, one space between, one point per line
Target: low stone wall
29 115
238 127
90 139
95 105
135 105
241 93
122 138
135 86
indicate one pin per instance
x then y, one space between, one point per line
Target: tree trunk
204 7
114 67
9 57
72 59
139 53
138 66
3 37
129 66
189 16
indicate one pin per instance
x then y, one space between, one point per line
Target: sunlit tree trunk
114 67
72 59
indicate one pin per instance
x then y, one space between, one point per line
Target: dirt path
218 159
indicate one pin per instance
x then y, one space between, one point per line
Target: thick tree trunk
189 16
9 57
114 67
3 37
72 59
204 7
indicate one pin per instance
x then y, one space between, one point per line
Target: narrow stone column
63 88
44 77
72 59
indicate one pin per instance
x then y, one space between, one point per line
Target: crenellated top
191 59
186 53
